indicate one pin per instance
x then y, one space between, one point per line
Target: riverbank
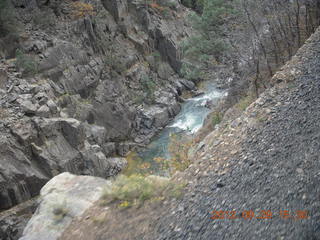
186 124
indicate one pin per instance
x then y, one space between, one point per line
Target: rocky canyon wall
81 85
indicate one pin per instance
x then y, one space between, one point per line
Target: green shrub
291 85
216 118
191 72
136 189
115 63
168 3
179 147
245 102
26 63
166 13
138 99
148 87
203 48
209 44
262 119
196 5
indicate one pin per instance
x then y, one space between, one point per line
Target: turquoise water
188 121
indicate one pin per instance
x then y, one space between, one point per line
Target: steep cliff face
90 81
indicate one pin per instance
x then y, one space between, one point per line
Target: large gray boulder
63 198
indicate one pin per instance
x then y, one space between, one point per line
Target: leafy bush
147 91
196 5
134 161
216 118
115 63
202 48
191 71
244 102
136 189
26 63
179 147
166 13
167 3
138 99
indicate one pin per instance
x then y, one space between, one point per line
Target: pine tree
204 48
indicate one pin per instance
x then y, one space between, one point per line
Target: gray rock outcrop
63 198
44 147
97 85
13 221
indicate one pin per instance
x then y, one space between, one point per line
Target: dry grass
3 113
179 147
245 102
134 190
81 10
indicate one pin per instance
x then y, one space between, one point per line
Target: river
189 120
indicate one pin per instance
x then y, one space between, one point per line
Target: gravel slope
276 167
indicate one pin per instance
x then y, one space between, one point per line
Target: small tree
209 44
26 63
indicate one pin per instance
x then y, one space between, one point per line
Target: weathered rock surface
63 198
44 147
19 180
13 221
3 79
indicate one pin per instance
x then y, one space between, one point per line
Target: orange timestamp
262 214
